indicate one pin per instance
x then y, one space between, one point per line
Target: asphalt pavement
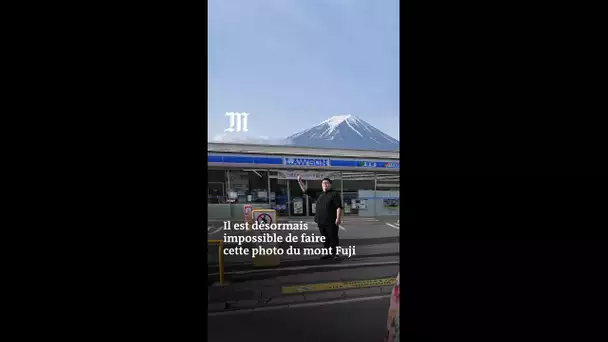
351 227
362 319
375 240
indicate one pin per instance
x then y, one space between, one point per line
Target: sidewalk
250 293
240 262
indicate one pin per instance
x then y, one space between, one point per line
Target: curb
286 300
248 265
264 273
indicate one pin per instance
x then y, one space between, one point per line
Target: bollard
220 257
248 213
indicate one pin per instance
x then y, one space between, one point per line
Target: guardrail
221 258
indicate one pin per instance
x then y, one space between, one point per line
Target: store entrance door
298 202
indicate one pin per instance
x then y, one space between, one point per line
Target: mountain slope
344 131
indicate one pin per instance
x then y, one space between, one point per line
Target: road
346 321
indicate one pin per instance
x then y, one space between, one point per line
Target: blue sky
292 64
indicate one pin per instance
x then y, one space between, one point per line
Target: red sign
247 212
264 218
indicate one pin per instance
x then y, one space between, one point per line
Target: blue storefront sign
391 165
301 161
365 164
306 162
244 160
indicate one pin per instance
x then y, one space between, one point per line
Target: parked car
392 324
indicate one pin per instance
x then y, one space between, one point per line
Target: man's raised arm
302 186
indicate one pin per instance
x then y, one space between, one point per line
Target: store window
278 195
216 187
387 193
248 187
356 187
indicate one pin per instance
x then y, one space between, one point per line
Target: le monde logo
238 122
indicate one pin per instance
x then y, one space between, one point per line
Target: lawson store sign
301 161
306 162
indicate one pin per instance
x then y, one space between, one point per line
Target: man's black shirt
327 206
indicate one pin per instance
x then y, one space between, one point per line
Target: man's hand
338 221
301 184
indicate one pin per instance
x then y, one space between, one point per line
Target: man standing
328 214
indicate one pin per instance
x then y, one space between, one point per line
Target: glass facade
247 186
354 183
278 196
363 193
216 186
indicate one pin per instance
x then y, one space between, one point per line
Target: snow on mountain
344 131
341 131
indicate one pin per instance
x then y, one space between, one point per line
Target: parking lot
351 228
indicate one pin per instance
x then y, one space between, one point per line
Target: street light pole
342 191
375 187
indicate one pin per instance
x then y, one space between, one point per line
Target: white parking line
217 230
342 227
397 224
300 305
388 224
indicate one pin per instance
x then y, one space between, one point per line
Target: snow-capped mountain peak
336 120
344 131
333 122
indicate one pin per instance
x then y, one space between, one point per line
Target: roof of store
294 151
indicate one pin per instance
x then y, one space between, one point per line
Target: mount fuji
344 131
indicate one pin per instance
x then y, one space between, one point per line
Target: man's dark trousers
330 232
